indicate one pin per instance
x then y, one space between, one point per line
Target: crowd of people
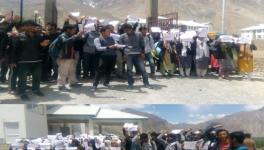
213 137
69 142
71 54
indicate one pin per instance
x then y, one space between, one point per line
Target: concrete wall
12 113
31 124
259 44
36 124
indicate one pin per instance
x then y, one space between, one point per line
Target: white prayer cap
197 132
177 131
202 32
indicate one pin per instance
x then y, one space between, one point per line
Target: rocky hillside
240 13
251 121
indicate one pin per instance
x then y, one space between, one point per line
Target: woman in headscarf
224 55
167 56
245 58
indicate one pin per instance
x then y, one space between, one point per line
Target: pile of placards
58 142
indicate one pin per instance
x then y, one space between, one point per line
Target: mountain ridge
247 121
239 13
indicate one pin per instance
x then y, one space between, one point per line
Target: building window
11 131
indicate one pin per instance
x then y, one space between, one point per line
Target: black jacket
27 49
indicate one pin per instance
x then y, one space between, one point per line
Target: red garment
224 146
214 62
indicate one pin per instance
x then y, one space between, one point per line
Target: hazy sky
189 113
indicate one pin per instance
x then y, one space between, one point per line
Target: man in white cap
202 53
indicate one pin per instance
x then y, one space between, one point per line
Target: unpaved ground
173 90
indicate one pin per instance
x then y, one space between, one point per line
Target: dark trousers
106 67
23 70
46 68
79 68
89 63
136 60
13 74
54 68
3 71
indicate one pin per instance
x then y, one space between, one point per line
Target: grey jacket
89 46
135 43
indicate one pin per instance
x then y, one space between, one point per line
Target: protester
237 138
50 64
222 142
8 45
161 145
245 58
149 46
135 54
185 58
27 57
66 57
146 143
202 54
90 54
4 28
249 142
120 64
167 56
70 51
107 45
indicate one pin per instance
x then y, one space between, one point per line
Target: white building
34 121
192 25
22 121
253 32
83 119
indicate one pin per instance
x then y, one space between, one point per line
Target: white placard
168 37
81 27
190 145
227 39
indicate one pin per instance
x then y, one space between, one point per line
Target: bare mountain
250 121
240 13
